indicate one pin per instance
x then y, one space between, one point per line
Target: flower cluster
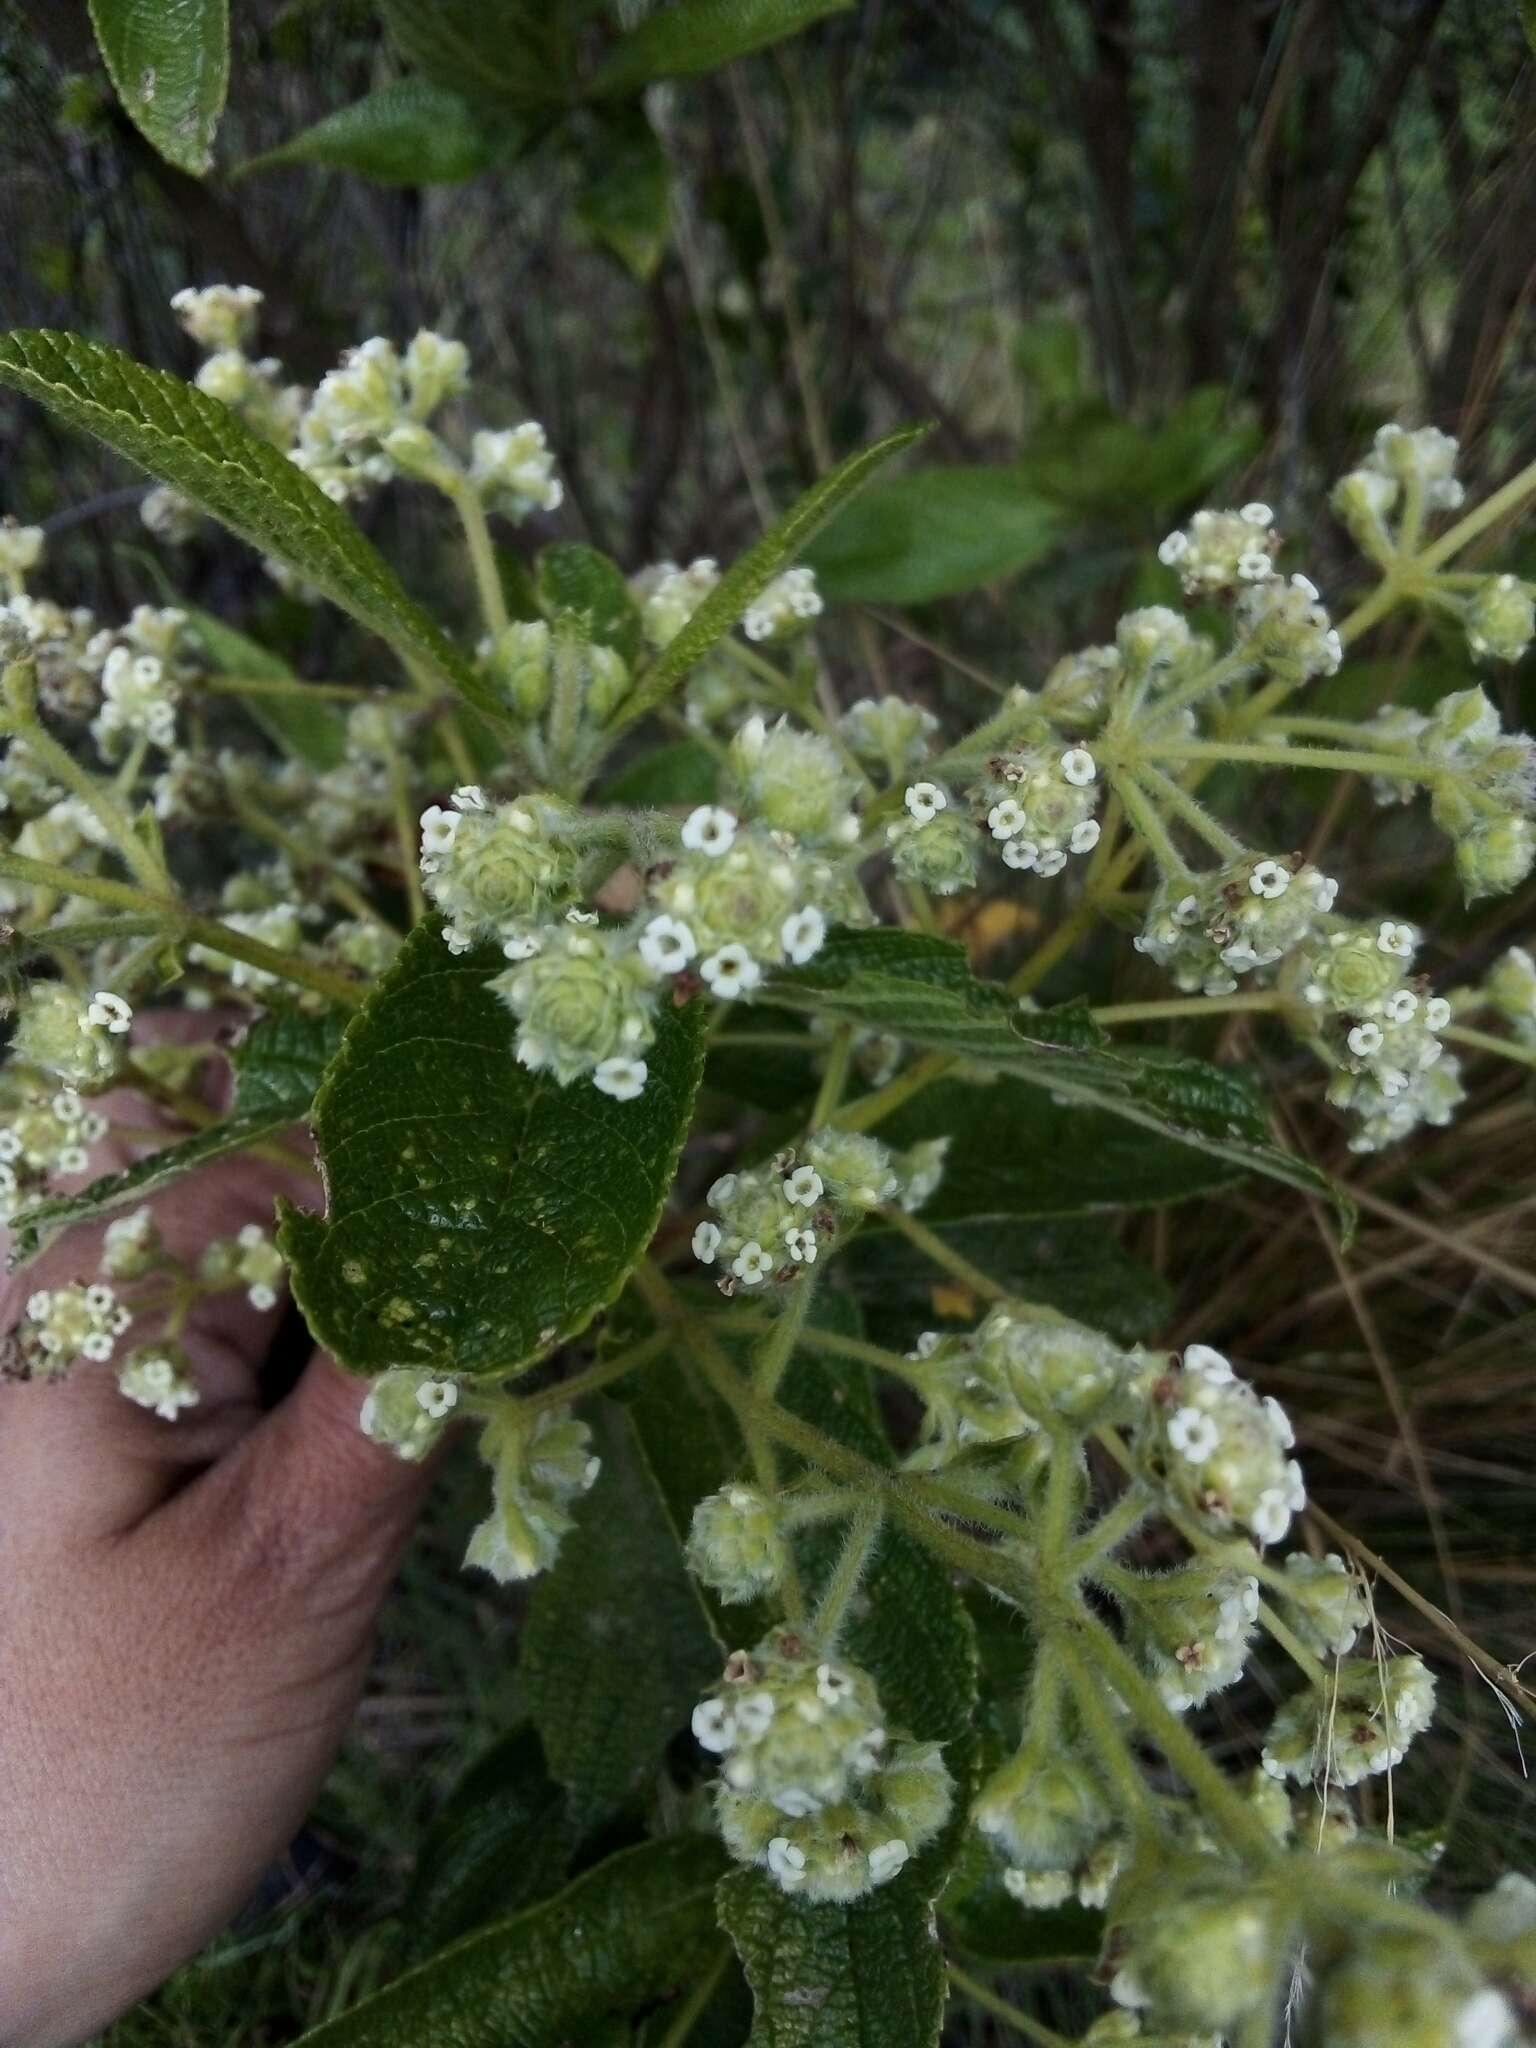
1046 1815
538 1468
1220 1449
1510 987
1219 550
813 1788
1361 1724
44 1131
668 596
1482 784
77 1043
408 1412
159 1377
1193 1628
367 420
1209 930
1036 802
497 871
737 1544
65 1324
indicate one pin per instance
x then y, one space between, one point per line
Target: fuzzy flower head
1359 1725
158 1377
887 733
1221 1451
1244 918
737 1544
139 698
44 1131
1500 619
785 608
537 1473
668 596
1511 988
933 845
1043 1810
62 1325
1325 1602
1405 1990
1423 456
1288 629
80 1046
218 316
131 1246
1039 803
791 1726
491 868
584 1000
749 899
1192 1628
1221 550
793 782
514 470
1016 1374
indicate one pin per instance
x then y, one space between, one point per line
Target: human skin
186 1611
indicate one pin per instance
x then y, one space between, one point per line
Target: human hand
185 1616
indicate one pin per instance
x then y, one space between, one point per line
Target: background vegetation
1132 256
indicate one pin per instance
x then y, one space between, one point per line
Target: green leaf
411 132
692 36
169 61
935 532
752 572
923 991
185 438
506 53
311 728
1098 465
864 1976
477 1214
616 1650
625 201
278 1067
631 1931
499 1841
681 772
569 576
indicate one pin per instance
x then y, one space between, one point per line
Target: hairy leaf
312 728
935 532
185 438
411 132
477 1214
778 549
169 61
635 1929
616 1649
572 577
687 37
890 982
625 201
504 52
278 1068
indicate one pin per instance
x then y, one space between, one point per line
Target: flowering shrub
589 1021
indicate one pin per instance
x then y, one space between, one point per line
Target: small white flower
1173 549
437 1398
521 946
1085 837
1269 879
709 830
1437 1013
1257 514
1485 2021
885 1859
1050 860
261 1295
714 1725
1021 854
1365 1039
1395 938
439 828
925 800
1400 1006
1006 818
752 1265
667 945
459 941
802 1245
1206 1360
1192 1434
723 1190
1279 1422
582 917
470 797
1271 1516
802 934
731 972
706 1242
106 1012
754 1715
786 1862
832 1684
621 1078
1078 766
804 1187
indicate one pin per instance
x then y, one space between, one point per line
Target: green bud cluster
44 1130
1046 1814
1360 1725
159 1377
492 870
935 846
889 734
793 782
668 596
1210 930
584 1003
1288 629
1324 1602
537 1471
1391 1989
1220 1449
1192 1628
1219 550
737 1544
1511 988
56 1036
1192 1947
1500 619
408 1412
62 1325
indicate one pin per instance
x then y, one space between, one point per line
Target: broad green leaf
505 52
1014 1151
411 132
616 1650
1098 465
569 576
934 532
984 1918
882 980
312 728
687 37
625 200
278 1068
681 772
477 1214
169 61
499 1841
864 1976
779 548
1062 1263
185 438
633 1930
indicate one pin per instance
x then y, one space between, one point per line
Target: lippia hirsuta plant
596 930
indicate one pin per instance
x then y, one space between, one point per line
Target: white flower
786 1862
1271 1516
1050 860
802 1245
706 1242
456 940
469 796
1006 818
802 934
667 945
754 1715
439 829
437 1398
1269 879
106 1012
1365 1039
1204 1359
925 800
1257 514
832 1684
1193 1435
1085 837
1437 1013
723 1190
1485 2021
804 1187
521 946
731 972
752 1264
1400 1006
1021 854
1395 938
885 1859
620 1077
714 1725
1078 766
587 917
709 830
1279 1422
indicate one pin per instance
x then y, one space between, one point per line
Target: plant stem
218 938
601 1373
1111 1529
1145 821
1185 1006
835 1079
1114 1753
143 864
691 2011
933 1246
853 1562
1343 760
1482 516
1010 2015
1198 819
883 1102
1486 1041
482 555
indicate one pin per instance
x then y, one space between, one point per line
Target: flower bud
519 664
1361 1724
785 608
537 1473
56 1034
889 733
408 1412
1221 1451
1400 1990
1205 1957
514 471
1500 619
435 369
1425 456
737 1545
1289 630
131 1246
582 1000
942 855
793 781
1325 1602
1496 856
1219 550
1043 1810
1511 988
159 1377
669 596
219 316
